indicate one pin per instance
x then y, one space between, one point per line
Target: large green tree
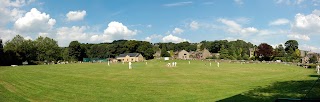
47 49
75 51
146 49
279 51
14 49
291 46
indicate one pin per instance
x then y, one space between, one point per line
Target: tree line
45 49
239 50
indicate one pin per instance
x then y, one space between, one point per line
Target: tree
47 49
291 44
164 53
75 51
279 51
65 54
14 49
264 51
146 49
223 53
297 53
1 53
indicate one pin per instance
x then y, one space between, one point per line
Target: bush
312 66
213 57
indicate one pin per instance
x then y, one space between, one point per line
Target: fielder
130 67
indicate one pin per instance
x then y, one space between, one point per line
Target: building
157 54
200 54
183 54
307 55
130 57
205 54
303 53
251 53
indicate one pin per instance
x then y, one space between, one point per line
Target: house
303 53
130 57
251 53
205 54
157 54
306 58
200 54
183 54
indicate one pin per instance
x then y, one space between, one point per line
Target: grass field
155 82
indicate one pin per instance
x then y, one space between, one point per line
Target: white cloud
281 21
289 2
65 34
243 20
174 39
299 37
6 34
309 48
43 34
315 2
153 37
34 22
16 3
115 28
306 24
235 28
299 1
316 12
239 2
76 15
177 31
27 38
114 31
194 25
149 26
10 11
178 4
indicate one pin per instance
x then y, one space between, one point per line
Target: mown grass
152 82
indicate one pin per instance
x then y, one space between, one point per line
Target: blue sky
95 21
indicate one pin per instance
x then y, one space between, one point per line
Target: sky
96 21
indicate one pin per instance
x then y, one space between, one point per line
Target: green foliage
235 49
212 57
279 51
245 57
75 51
164 53
47 49
1 53
223 53
146 49
291 45
313 59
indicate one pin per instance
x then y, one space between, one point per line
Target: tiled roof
129 54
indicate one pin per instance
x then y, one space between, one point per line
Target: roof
129 54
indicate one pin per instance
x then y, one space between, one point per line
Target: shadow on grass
288 89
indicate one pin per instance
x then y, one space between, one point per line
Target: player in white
130 67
